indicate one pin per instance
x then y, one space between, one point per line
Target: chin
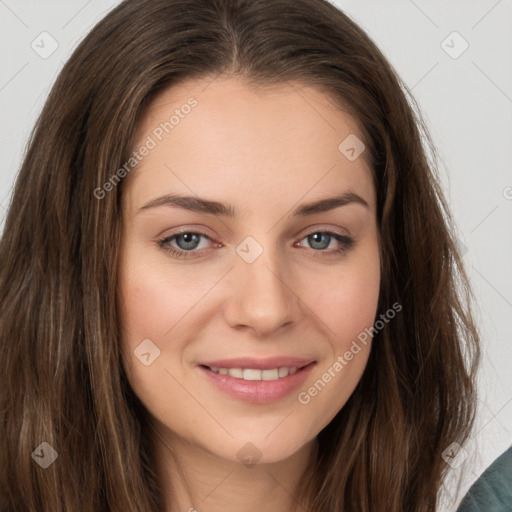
259 450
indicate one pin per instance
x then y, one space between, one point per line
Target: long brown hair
62 379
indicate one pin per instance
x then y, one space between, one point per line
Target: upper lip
259 364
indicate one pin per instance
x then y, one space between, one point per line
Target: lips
254 380
258 364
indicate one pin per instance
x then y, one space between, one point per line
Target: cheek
347 306
346 301
152 302
154 306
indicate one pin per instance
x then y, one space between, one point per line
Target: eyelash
346 242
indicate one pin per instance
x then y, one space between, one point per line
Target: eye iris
190 238
316 238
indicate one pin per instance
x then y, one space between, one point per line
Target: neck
194 479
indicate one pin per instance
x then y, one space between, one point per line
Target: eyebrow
197 204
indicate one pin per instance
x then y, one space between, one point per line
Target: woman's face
243 269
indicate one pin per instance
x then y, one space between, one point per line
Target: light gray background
467 102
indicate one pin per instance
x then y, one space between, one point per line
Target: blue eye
188 243
320 240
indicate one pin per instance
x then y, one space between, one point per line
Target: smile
257 386
255 374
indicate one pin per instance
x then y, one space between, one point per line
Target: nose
262 296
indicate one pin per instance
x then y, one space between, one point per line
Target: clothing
492 492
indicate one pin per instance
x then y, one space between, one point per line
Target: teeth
236 372
253 374
283 372
270 374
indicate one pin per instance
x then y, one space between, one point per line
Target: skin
264 152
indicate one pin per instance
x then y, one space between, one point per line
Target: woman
259 367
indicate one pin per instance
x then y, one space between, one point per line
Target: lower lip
258 391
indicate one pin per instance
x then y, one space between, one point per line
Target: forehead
251 138
292 108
